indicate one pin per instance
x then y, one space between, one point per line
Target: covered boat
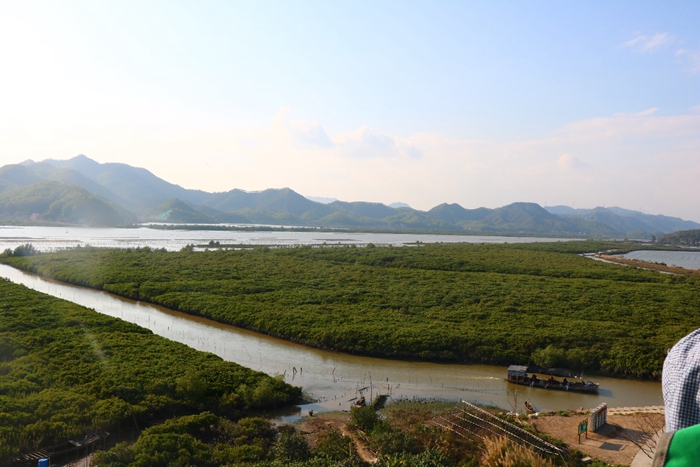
527 376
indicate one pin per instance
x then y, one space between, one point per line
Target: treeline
684 237
518 303
66 371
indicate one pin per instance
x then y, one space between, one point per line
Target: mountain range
83 191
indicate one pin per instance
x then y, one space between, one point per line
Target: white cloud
362 143
642 113
642 125
300 132
366 143
567 162
649 44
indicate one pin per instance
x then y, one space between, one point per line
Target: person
533 380
679 446
549 381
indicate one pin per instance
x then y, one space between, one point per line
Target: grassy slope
66 370
492 303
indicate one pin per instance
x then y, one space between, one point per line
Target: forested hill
135 193
685 237
52 201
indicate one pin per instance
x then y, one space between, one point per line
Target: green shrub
333 445
290 447
364 418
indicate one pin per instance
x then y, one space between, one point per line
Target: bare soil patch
609 444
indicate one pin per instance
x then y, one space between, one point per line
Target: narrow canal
333 379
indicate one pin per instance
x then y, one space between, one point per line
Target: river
689 259
333 378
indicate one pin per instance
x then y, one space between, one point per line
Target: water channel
332 378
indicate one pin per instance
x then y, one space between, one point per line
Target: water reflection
335 379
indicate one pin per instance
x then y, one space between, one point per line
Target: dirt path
312 426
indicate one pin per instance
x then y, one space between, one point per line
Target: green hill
684 237
178 211
139 191
51 201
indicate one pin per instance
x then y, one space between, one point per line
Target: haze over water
54 238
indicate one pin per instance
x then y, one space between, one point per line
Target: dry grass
500 452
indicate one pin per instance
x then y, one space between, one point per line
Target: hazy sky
478 103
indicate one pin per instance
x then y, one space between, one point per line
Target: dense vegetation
66 371
401 436
518 303
684 237
208 441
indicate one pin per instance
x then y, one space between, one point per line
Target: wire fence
470 421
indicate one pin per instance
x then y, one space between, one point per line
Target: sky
478 103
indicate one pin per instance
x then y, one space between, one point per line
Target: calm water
52 238
684 259
333 379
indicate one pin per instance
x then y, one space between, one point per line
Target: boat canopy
563 372
517 370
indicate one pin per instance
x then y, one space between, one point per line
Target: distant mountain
51 201
566 211
268 201
321 199
628 222
81 190
137 187
532 218
454 213
373 210
658 222
18 175
525 216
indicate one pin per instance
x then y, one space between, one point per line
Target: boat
529 407
361 402
527 376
